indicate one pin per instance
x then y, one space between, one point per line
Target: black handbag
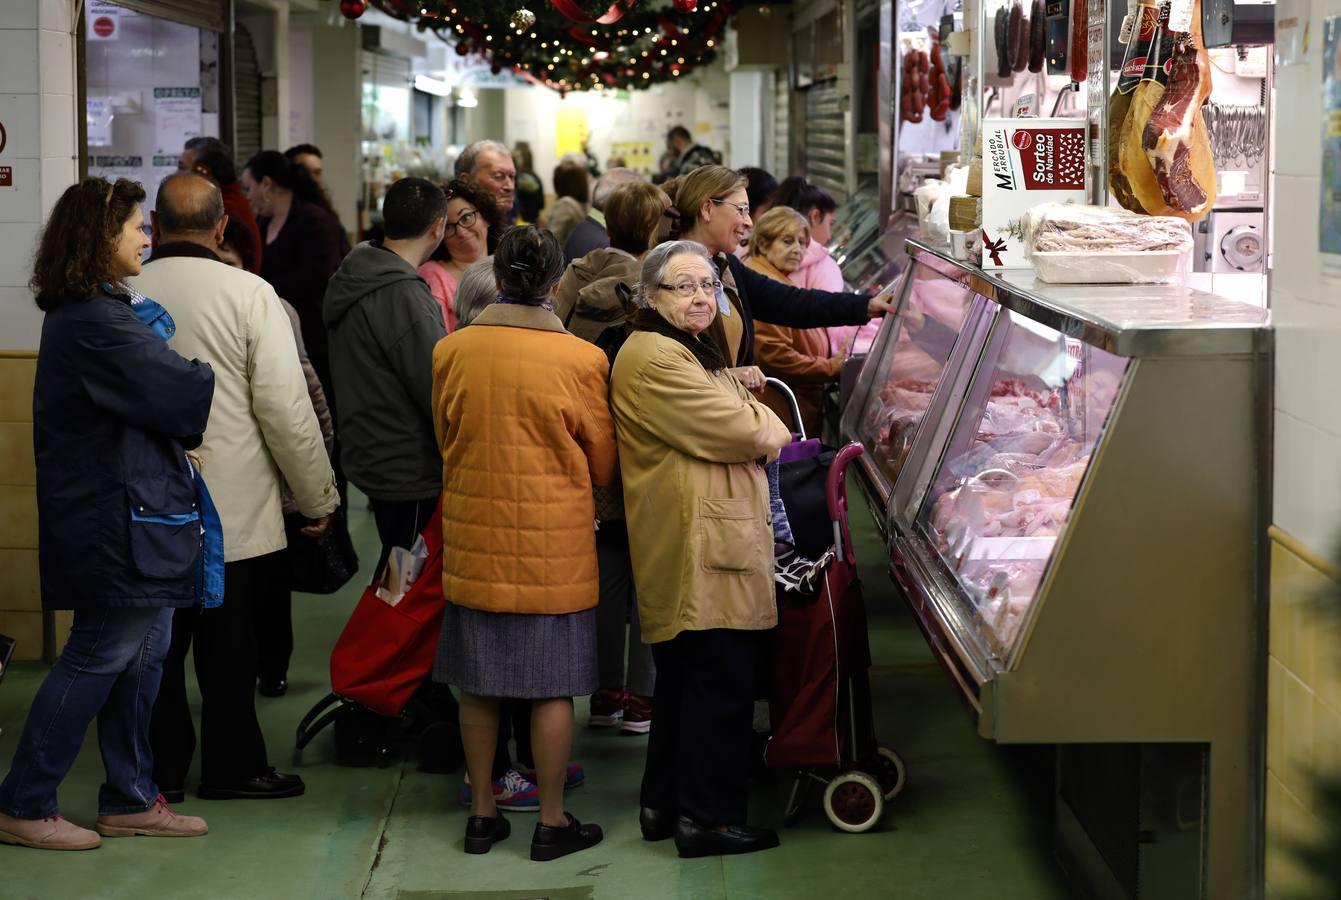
802 485
320 565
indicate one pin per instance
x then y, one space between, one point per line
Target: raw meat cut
1080 27
1068 227
1168 135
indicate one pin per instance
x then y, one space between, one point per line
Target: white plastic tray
1080 267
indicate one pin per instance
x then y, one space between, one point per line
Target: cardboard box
1026 162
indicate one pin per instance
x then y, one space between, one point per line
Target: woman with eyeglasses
714 210
693 444
471 235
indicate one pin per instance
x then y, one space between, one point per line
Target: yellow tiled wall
1303 708
20 596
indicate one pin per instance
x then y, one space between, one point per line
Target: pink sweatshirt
442 284
818 270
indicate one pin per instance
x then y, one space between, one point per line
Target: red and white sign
6 176
104 21
1026 162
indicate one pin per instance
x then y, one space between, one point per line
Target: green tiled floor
966 828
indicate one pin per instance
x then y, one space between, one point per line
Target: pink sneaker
157 821
53 833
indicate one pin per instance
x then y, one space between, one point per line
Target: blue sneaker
513 792
574 775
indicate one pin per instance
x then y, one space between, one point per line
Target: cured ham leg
1168 135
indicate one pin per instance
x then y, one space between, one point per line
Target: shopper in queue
692 446
589 234
572 190
714 211
303 244
471 233
212 158
800 357
273 616
489 165
309 157
594 302
818 208
759 188
476 290
383 326
262 426
114 412
523 422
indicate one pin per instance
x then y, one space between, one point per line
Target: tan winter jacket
691 447
262 424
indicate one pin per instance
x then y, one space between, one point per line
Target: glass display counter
1074 485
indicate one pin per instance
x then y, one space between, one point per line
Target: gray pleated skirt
516 655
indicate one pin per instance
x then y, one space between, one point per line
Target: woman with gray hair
476 290
692 447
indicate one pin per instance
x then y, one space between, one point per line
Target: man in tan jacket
262 426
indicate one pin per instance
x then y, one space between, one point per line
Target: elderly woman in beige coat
692 447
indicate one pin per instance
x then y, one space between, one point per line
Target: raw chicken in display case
1013 466
899 392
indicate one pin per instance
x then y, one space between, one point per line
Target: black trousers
232 746
399 522
272 620
698 753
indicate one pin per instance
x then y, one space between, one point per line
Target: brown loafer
52 833
157 821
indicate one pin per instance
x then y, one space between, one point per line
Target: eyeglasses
687 289
742 208
465 220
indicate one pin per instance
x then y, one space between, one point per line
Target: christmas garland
573 45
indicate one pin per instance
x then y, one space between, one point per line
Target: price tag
1128 23
1180 15
1026 107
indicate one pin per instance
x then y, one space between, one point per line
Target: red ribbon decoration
572 10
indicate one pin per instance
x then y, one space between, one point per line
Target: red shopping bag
386 652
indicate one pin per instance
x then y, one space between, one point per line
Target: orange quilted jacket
522 416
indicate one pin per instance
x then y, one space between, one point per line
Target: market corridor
965 827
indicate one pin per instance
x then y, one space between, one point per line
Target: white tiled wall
37 107
1307 310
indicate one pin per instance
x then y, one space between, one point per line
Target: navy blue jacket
114 410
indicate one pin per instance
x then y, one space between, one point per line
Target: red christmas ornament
462 48
352 9
685 6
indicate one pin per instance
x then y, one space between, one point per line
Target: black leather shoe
657 825
693 839
271 785
550 842
482 832
173 795
273 687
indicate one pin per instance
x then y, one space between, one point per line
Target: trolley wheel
888 769
854 802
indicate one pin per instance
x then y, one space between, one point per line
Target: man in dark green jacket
383 324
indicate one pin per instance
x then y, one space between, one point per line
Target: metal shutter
782 124
825 139
246 97
386 71
212 15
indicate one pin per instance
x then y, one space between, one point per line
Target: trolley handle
789 395
835 493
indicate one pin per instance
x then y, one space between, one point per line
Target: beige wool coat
262 424
691 447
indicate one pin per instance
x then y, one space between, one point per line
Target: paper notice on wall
177 114
98 112
1329 226
104 21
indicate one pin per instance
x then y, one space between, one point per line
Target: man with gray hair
489 165
589 234
262 428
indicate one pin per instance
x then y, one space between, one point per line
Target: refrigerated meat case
1073 485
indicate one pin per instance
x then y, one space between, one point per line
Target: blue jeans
110 669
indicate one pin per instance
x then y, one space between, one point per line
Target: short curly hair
469 191
79 241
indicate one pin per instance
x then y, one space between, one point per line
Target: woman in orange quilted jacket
522 416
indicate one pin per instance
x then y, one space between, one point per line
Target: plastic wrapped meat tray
1071 244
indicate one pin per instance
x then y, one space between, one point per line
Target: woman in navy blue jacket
119 526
